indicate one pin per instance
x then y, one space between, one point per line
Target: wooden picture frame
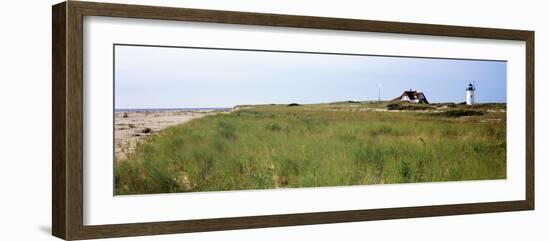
67 123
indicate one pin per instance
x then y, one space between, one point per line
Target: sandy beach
134 127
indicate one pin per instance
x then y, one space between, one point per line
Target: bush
460 113
417 107
293 104
395 106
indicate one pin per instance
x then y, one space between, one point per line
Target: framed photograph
171 120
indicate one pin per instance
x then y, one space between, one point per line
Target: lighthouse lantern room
470 94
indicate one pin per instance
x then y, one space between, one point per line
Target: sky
164 77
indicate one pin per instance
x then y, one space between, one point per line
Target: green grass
277 146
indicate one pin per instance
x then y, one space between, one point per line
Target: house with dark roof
412 96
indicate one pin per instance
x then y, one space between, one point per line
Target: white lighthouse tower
470 94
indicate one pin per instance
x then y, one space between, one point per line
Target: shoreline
162 110
133 127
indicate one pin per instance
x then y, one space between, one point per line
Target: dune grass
276 146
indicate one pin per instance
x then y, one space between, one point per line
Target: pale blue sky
161 77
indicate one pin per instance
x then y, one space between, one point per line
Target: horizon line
286 103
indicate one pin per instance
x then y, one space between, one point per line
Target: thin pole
379 100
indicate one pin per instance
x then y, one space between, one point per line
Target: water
168 109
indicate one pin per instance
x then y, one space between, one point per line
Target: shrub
395 106
460 113
417 107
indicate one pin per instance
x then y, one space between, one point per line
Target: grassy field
348 143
